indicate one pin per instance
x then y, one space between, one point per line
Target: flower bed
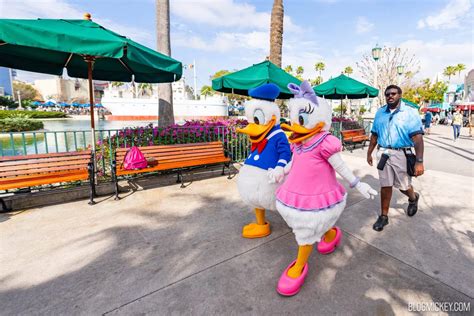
190 132
195 131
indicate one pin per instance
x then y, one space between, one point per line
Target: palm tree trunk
165 92
276 32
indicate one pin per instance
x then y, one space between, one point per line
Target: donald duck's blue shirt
273 151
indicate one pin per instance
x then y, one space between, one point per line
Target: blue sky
231 34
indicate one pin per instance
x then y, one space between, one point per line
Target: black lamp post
376 53
400 69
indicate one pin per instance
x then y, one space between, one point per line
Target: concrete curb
22 201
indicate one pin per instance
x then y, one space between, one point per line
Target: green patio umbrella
85 49
241 81
411 104
344 87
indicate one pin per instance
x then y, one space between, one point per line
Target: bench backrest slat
42 160
180 152
165 155
39 176
51 155
353 132
30 165
71 163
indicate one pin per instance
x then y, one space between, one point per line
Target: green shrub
19 123
7 102
32 114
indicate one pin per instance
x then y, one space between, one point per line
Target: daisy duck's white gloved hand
343 170
366 190
276 175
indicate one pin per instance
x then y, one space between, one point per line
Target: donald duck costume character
310 199
270 153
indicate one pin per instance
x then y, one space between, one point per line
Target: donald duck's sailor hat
268 92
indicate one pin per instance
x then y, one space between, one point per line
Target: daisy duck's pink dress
311 199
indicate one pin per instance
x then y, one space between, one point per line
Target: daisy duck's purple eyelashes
303 91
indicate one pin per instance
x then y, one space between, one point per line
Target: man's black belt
392 148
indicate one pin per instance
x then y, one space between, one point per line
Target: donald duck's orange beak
301 133
257 132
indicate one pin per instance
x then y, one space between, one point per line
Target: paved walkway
170 250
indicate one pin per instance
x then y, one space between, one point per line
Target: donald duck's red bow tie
259 146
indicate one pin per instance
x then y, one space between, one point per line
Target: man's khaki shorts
395 172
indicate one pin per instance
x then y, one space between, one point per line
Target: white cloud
363 25
225 42
451 16
60 9
226 14
434 56
222 13
327 1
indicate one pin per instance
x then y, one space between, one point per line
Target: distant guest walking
428 118
397 128
457 123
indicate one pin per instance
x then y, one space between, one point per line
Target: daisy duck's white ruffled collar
313 143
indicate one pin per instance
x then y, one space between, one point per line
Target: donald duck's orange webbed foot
254 230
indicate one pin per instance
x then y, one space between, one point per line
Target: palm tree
409 74
289 69
459 68
317 81
449 71
220 73
276 32
165 92
348 70
319 66
299 72
206 91
117 83
145 88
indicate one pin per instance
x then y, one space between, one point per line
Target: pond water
71 134
85 125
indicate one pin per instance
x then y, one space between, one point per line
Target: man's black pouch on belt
411 161
382 161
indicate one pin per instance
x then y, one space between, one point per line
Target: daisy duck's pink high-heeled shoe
288 286
325 247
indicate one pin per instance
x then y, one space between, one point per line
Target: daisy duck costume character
270 153
310 199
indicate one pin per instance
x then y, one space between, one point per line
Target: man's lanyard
392 114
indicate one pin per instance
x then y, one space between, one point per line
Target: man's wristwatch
420 160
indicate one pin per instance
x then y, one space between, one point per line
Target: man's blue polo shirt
395 130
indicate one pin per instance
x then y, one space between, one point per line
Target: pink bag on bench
134 159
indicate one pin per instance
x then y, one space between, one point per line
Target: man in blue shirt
397 128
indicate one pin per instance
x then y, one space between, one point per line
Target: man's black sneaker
413 206
380 223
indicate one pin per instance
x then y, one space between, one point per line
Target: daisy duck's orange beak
257 132
301 133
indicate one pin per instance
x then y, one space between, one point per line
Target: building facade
69 90
469 86
6 82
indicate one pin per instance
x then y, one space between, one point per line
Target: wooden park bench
175 158
25 172
353 137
